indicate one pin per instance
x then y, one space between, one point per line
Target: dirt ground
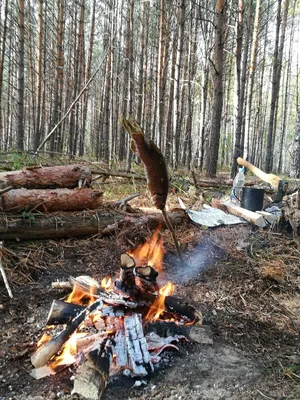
246 282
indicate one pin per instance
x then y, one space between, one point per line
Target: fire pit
120 325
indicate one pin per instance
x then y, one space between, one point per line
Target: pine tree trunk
37 133
3 50
178 67
252 70
278 53
21 71
218 67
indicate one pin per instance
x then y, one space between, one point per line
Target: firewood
66 176
62 312
197 333
49 349
250 216
77 224
145 279
140 360
173 305
61 285
126 270
47 200
92 376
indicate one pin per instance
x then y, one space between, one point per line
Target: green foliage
28 215
292 372
19 160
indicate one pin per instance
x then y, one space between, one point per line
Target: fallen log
77 224
65 176
47 200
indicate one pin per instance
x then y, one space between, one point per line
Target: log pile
59 188
121 332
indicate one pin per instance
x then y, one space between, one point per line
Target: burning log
50 200
139 357
195 333
62 312
145 279
49 349
66 176
92 375
174 305
77 224
136 280
126 270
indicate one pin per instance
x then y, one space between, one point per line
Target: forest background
207 80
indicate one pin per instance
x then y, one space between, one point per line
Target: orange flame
106 283
44 339
81 296
151 252
158 306
67 355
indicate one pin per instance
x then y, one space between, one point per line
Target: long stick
4 274
170 226
71 106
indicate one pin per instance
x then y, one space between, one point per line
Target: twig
7 189
264 395
61 285
4 274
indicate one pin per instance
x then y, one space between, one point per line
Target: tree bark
21 85
277 63
252 70
218 67
295 167
49 177
47 200
241 73
79 224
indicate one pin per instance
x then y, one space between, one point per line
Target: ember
108 327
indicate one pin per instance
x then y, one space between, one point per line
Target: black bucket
252 198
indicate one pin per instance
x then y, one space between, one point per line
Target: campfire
118 325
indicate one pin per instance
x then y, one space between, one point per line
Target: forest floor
246 282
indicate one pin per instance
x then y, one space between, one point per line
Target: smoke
203 255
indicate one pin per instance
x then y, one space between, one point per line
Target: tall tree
217 64
37 134
3 49
21 71
178 68
241 76
252 69
277 63
295 159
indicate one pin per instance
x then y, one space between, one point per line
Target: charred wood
139 357
49 349
197 333
62 312
173 305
